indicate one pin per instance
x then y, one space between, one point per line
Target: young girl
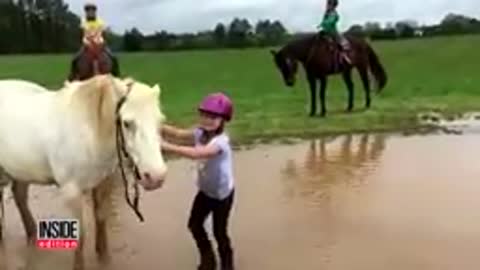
329 27
214 179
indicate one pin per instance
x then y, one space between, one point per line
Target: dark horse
93 61
321 57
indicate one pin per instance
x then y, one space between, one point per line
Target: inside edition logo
58 233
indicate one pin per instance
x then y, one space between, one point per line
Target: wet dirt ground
353 202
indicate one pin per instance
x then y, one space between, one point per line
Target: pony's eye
128 124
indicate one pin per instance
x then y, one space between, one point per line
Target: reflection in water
331 164
315 180
351 203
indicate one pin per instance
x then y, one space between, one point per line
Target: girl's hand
166 146
200 152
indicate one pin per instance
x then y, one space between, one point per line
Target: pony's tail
376 68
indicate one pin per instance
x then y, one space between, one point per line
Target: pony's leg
74 200
20 196
323 89
76 205
312 82
101 207
347 78
2 214
363 71
4 181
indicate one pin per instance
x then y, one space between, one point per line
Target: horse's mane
298 40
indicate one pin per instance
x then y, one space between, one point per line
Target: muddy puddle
353 202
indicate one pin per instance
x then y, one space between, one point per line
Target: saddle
94 51
339 50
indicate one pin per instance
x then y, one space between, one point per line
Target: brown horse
321 57
93 61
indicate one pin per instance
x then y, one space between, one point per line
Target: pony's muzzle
152 181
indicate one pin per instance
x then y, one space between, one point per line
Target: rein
121 149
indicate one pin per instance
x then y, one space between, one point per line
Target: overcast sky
194 15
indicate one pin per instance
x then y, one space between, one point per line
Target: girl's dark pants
201 208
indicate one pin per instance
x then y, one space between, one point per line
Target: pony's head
139 117
287 66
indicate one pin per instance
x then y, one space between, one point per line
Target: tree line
48 26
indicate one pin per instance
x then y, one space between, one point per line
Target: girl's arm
178 133
199 152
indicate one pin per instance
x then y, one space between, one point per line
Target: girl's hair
207 136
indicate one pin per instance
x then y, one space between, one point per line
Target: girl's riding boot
207 261
227 261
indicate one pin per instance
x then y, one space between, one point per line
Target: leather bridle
123 153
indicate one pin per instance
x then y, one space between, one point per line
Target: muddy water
356 202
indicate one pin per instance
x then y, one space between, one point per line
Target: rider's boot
115 66
226 260
345 56
207 261
344 49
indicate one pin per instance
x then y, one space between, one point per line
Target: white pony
74 138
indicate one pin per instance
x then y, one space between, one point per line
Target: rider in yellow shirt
93 28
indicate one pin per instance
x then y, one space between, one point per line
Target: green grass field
438 74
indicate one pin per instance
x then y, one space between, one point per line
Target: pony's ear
157 89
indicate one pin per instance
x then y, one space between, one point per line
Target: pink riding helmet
219 104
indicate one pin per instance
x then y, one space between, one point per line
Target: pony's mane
95 99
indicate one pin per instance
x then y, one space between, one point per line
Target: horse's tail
376 68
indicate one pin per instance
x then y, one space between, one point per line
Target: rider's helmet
333 3
218 104
90 5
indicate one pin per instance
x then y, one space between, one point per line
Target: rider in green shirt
329 26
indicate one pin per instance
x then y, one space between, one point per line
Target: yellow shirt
94 27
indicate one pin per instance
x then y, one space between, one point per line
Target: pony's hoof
104 259
31 240
78 265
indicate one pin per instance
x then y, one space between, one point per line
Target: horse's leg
347 78
74 200
323 89
76 205
2 214
101 207
363 71
20 196
312 82
4 181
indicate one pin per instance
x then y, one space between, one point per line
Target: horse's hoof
31 240
78 265
104 258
